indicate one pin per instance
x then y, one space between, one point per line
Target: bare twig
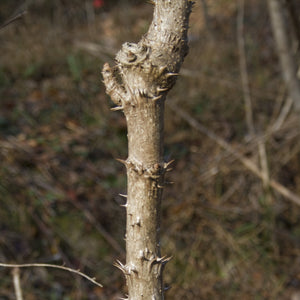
17 284
263 162
286 108
13 19
114 244
247 97
245 161
243 67
33 265
224 80
285 52
292 11
206 15
100 51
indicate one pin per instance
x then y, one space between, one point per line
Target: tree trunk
287 60
138 85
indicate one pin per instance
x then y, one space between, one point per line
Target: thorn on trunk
160 90
171 74
156 98
117 108
120 266
122 195
167 164
165 259
122 161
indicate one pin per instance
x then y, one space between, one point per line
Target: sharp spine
171 74
156 98
117 108
162 89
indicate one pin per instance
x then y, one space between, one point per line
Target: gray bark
138 85
287 60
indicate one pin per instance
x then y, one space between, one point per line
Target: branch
245 161
243 67
286 57
13 19
93 280
17 285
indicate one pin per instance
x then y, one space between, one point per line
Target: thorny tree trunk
287 60
138 85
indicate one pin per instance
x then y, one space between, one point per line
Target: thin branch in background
90 13
224 80
250 165
97 50
263 159
243 67
284 50
292 11
206 16
286 108
17 285
13 19
110 240
247 97
33 265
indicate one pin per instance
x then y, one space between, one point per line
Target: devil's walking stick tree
138 85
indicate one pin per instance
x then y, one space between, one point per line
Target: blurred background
231 220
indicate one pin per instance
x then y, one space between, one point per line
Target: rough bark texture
138 85
287 60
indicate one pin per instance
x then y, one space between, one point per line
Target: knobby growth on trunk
138 85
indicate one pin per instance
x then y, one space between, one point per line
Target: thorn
151 2
122 161
171 74
165 259
122 195
117 108
156 98
162 70
120 266
160 186
169 182
123 205
167 164
159 89
169 169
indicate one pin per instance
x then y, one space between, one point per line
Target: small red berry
98 3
